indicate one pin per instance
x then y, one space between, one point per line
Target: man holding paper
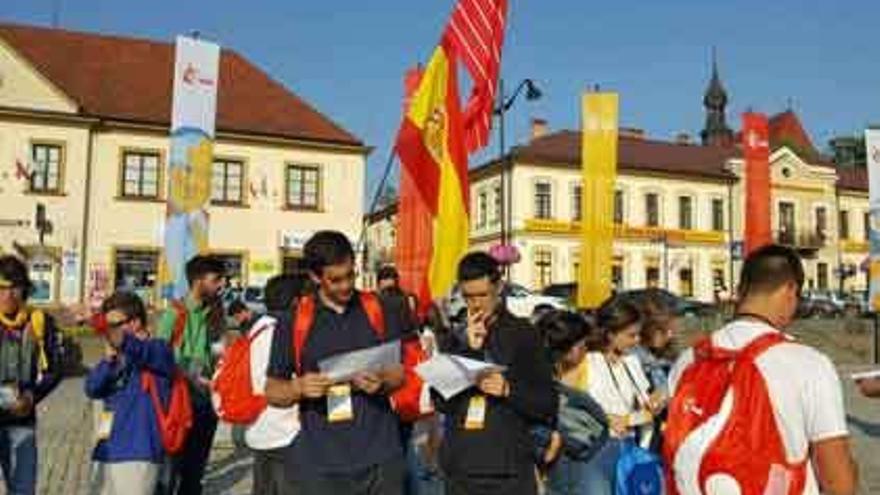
488 448
350 440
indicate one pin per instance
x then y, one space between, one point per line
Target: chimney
682 138
539 128
632 133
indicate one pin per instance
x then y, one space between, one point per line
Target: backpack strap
302 325
375 314
762 344
148 382
179 323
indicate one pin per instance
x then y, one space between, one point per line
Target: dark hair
477 265
128 304
235 307
768 269
616 314
282 290
561 330
15 271
658 309
327 248
202 265
387 272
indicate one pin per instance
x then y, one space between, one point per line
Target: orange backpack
722 429
407 400
234 398
176 422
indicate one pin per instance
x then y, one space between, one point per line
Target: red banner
756 150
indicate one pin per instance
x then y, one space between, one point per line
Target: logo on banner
191 76
754 141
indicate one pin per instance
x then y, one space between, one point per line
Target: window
482 209
786 223
543 268
496 212
618 206
652 277
844 224
717 214
227 185
543 200
822 276
821 222
652 210
46 168
617 276
685 213
866 225
136 271
576 202
140 174
686 282
303 187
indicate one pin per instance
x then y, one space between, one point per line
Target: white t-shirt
275 427
803 385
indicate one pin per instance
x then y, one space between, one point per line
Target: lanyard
638 392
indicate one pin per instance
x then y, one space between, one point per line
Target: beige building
679 211
84 131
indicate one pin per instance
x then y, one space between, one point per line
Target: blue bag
639 471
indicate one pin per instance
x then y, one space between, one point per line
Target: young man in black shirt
354 448
488 448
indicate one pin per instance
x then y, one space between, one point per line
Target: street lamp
503 105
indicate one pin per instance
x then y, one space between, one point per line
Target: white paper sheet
865 375
344 367
450 375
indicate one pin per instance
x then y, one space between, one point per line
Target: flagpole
373 203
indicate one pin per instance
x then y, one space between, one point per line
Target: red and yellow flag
431 147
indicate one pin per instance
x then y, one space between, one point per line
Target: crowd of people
595 402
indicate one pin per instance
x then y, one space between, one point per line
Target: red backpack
406 400
234 398
176 422
722 430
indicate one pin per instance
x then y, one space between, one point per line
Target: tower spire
716 132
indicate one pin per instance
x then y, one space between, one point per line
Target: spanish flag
432 151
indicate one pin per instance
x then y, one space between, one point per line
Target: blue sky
347 56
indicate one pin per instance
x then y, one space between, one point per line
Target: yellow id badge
339 407
105 425
476 413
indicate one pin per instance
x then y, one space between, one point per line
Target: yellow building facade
101 174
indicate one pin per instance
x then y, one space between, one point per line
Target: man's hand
870 387
115 336
24 406
618 425
554 449
494 384
312 385
476 330
368 382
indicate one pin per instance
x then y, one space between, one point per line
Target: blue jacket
134 435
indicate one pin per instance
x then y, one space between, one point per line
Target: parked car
683 306
566 292
820 304
521 302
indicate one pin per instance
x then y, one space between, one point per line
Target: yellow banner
599 162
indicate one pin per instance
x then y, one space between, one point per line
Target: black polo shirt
372 437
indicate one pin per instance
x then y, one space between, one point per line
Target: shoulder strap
302 325
373 307
761 344
148 381
179 323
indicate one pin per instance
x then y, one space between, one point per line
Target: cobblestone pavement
65 432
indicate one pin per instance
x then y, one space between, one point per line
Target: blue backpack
639 471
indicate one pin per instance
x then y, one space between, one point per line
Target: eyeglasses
119 324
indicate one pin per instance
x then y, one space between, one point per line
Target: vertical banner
756 149
196 68
872 146
599 160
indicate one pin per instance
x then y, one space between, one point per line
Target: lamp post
503 105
